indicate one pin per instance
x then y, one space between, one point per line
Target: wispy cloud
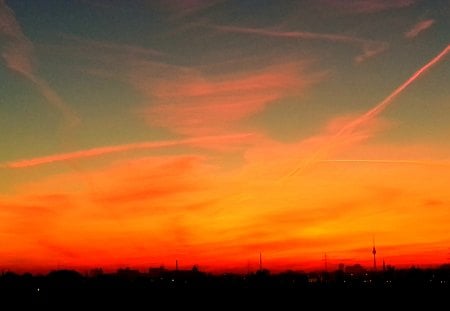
370 48
368 6
175 8
187 201
18 56
194 101
171 173
380 107
418 28
290 34
191 102
198 141
111 60
97 46
351 129
192 204
37 214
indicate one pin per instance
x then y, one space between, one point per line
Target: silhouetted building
95 272
128 273
156 272
355 269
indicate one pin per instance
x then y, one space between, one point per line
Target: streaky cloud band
87 153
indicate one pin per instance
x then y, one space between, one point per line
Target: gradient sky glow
134 133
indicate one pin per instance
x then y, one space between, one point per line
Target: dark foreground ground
163 288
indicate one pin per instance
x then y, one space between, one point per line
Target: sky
137 133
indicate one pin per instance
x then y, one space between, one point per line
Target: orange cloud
193 103
190 100
150 211
418 28
171 174
153 196
203 207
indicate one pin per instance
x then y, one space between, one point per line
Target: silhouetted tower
374 252
384 266
260 262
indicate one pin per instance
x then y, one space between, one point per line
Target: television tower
374 252
260 262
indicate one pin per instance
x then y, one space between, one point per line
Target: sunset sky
134 133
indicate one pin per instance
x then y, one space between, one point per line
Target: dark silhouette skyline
209 130
129 285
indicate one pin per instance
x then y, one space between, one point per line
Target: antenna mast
374 252
260 262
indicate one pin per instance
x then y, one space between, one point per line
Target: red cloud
192 103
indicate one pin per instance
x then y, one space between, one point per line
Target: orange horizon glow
210 138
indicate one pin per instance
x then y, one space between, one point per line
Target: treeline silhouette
133 285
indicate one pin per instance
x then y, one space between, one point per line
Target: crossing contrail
375 111
362 120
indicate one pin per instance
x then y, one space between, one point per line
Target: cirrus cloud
18 57
189 102
370 48
418 28
368 6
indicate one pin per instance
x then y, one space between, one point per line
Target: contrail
383 161
370 48
114 149
291 34
350 127
369 115
418 28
